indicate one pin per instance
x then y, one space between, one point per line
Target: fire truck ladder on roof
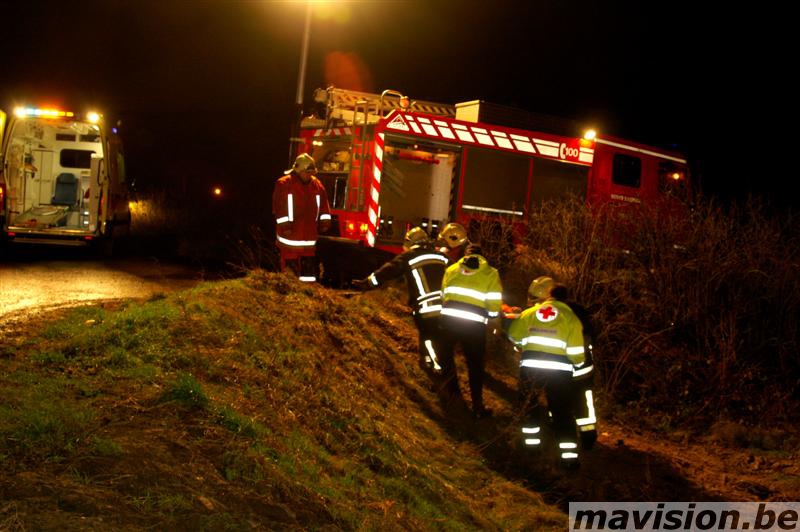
360 110
358 146
346 107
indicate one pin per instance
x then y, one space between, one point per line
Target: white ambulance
62 179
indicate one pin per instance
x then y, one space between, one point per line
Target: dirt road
33 284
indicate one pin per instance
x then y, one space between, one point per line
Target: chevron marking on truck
375 188
456 131
335 132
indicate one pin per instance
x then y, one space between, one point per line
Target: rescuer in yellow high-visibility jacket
550 337
471 296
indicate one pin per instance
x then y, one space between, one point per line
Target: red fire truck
389 163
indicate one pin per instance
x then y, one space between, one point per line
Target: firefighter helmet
304 162
453 235
540 288
416 236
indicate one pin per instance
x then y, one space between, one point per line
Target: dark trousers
562 400
472 338
429 331
302 266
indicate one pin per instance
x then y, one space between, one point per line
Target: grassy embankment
261 402
250 403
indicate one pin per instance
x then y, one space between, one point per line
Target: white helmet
303 162
453 235
416 236
540 288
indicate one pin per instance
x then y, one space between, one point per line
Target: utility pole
294 137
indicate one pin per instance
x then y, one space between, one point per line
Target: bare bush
255 251
696 314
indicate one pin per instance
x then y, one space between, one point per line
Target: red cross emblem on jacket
547 313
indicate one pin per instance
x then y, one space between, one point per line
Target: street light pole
301 81
301 77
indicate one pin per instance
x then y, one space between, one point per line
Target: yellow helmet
416 236
304 162
453 235
540 288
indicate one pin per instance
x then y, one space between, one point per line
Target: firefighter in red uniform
300 206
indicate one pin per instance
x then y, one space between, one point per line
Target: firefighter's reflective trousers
429 340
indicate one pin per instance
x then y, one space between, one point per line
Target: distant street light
301 81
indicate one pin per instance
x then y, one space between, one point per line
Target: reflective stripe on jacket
423 268
550 336
299 206
473 294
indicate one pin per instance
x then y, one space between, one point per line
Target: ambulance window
495 181
76 158
627 170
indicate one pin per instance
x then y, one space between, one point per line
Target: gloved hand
361 284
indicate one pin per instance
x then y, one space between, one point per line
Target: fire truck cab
389 163
62 179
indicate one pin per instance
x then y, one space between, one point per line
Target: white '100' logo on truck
567 152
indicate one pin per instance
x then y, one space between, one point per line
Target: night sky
205 88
